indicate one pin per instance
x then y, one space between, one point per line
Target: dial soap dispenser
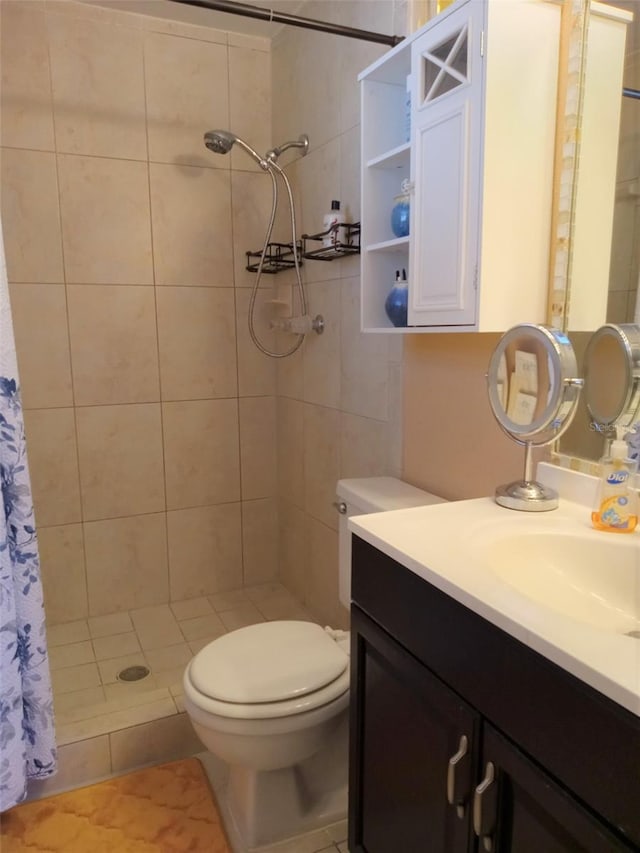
616 508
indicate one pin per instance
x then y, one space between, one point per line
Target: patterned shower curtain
27 740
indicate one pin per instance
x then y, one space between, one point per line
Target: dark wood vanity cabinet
444 705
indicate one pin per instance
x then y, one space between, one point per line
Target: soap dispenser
616 508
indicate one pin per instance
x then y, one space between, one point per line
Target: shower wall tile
290 439
120 452
30 216
126 563
350 181
42 344
182 29
249 102
321 462
258 447
364 360
364 445
317 108
105 220
114 345
293 548
322 582
25 90
205 550
191 214
196 329
186 95
63 572
98 88
53 464
256 371
202 453
291 376
251 194
321 355
260 540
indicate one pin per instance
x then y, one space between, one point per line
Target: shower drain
133 673
634 634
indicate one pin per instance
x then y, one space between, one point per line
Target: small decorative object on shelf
344 239
396 302
278 257
400 211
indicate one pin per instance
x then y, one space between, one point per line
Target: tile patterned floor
86 656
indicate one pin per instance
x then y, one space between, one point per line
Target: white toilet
272 700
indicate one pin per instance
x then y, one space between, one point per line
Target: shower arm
302 142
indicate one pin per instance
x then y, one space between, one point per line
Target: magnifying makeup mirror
612 376
533 392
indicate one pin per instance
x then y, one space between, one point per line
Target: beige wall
150 417
452 443
339 402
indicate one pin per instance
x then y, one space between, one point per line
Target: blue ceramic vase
396 303
400 216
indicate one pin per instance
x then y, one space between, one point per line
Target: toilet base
271 805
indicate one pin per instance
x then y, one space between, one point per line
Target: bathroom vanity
479 720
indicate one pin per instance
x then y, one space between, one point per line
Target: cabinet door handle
484 808
456 797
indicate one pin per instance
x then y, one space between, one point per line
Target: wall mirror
605 272
533 390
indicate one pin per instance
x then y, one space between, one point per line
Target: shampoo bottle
331 219
616 508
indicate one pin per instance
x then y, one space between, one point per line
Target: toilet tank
365 495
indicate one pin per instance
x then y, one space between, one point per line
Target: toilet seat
273 669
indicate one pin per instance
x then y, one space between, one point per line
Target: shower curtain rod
631 93
270 15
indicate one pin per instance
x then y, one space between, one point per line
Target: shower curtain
27 741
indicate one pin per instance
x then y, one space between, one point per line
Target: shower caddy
280 256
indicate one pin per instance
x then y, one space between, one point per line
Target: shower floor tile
88 655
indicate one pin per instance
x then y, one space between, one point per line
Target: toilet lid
268 662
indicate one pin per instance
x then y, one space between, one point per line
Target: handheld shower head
219 141
222 141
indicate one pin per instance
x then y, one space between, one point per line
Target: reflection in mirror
612 376
533 390
616 222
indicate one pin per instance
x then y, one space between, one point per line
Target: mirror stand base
527 496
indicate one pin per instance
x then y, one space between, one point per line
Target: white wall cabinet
484 79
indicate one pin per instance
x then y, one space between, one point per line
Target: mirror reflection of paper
524 408
501 390
514 390
527 371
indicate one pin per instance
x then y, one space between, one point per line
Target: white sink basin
591 578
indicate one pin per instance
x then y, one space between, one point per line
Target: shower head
219 141
222 141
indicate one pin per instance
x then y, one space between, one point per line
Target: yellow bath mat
164 809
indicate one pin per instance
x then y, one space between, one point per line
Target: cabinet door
520 809
406 726
446 157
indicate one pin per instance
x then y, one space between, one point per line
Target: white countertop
443 545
